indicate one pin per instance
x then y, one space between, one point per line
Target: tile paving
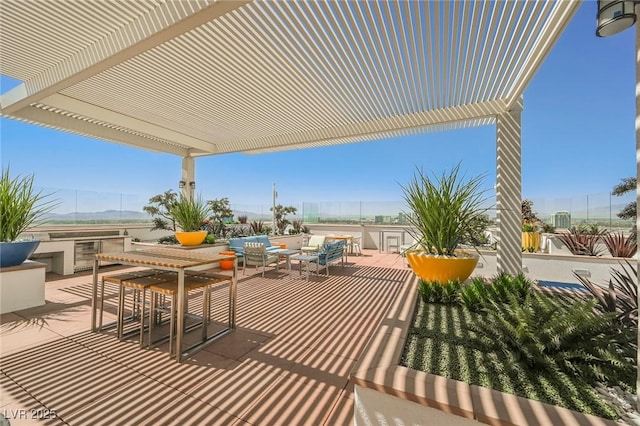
286 364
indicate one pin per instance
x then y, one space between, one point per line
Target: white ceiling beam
435 128
371 128
57 121
86 109
141 35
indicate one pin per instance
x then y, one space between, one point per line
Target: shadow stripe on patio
296 342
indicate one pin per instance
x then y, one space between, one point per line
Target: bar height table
177 261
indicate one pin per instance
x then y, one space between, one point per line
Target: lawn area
442 342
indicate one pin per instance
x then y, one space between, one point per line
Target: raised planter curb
378 369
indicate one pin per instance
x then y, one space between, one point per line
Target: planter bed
392 393
440 343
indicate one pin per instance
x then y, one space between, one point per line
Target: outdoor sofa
330 253
237 245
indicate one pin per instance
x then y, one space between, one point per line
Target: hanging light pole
273 209
613 17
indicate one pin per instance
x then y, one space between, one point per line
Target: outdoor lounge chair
331 252
256 254
314 245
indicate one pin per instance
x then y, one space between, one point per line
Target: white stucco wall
22 286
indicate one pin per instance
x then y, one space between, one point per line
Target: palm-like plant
21 205
583 241
620 245
189 213
443 209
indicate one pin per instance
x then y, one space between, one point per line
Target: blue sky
577 138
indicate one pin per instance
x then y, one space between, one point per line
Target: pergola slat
266 76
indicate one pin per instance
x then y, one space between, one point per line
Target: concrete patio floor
287 363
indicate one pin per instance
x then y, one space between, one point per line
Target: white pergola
202 77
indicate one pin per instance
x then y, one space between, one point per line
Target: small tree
529 217
159 207
629 211
476 234
280 213
220 210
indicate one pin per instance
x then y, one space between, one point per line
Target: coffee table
307 259
287 253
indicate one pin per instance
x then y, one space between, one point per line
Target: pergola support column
509 191
637 125
188 177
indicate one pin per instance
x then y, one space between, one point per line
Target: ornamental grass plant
21 205
189 213
443 209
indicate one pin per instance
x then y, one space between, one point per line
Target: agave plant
436 292
443 209
475 295
21 205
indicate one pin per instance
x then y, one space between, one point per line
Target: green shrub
168 239
436 292
504 285
475 295
547 335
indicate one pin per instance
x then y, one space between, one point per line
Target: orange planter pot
193 238
441 269
227 264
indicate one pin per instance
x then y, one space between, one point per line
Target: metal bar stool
117 280
140 286
202 282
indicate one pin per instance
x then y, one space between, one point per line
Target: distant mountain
105 216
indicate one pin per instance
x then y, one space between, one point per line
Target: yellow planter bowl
441 269
193 238
531 239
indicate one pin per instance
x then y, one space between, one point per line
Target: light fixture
181 184
192 185
614 16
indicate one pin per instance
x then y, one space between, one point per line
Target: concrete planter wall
559 268
22 286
